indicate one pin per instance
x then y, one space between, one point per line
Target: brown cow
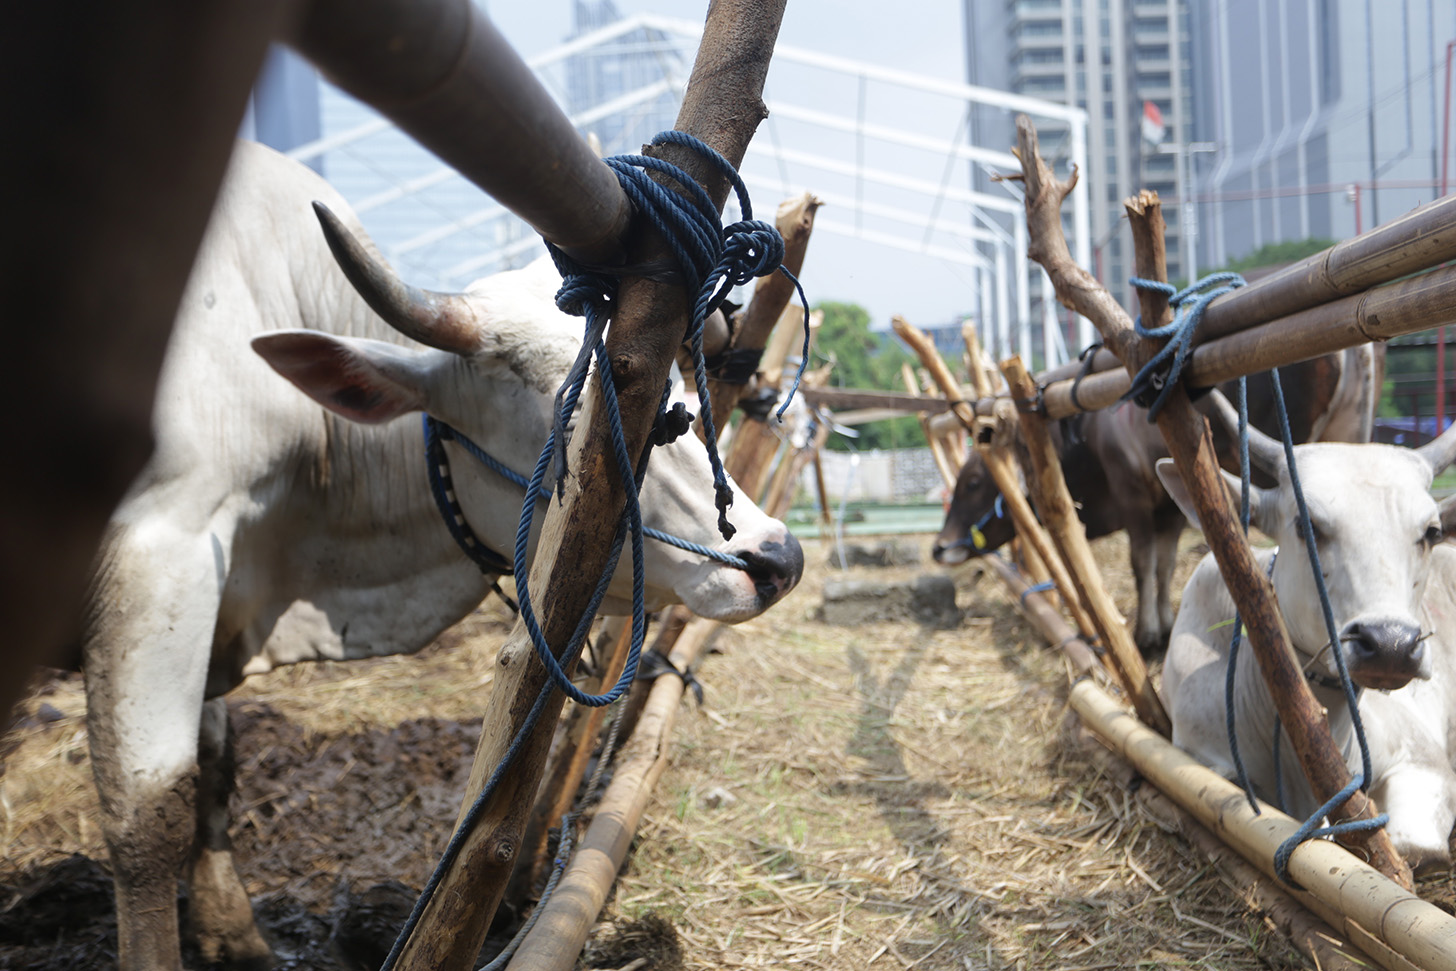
1109 459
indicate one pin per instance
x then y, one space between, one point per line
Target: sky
886 281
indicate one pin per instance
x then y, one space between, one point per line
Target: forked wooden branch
723 107
1189 442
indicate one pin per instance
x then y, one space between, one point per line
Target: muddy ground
888 795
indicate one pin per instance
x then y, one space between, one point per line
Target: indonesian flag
1153 130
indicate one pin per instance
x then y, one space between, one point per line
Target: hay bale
928 599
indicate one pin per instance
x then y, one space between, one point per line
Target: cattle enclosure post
1191 445
723 107
1059 516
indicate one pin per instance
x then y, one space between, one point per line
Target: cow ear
362 380
1172 480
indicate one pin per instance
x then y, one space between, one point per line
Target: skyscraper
1110 57
1327 115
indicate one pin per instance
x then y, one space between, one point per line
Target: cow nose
1384 653
774 566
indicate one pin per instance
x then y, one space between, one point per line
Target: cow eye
1433 535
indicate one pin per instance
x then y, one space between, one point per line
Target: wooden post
1059 515
1191 446
1002 468
567 766
938 452
723 106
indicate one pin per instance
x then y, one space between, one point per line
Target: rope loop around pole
1156 380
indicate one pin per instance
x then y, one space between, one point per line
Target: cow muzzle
774 566
1384 653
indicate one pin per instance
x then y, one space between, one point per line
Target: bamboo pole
1002 468
937 447
723 106
1374 912
444 73
1422 238
1404 307
1326 948
1036 608
1059 515
1386 921
1191 447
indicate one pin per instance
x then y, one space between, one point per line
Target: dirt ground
885 796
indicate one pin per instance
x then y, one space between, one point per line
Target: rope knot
671 424
1152 385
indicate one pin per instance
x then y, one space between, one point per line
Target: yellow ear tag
978 538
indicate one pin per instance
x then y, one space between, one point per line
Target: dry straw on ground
883 796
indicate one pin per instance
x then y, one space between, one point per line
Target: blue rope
712 258
1228 685
1310 828
713 264
1156 380
1362 781
1042 587
433 426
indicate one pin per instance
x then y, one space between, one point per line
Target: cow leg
1165 557
1142 551
221 916
147 645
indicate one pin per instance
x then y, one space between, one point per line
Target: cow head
493 360
976 522
1375 525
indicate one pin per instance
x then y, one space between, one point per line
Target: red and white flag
1153 129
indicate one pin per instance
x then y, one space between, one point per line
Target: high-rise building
1327 116
1116 59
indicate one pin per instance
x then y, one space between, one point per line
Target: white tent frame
995 239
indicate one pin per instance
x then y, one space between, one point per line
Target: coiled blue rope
713 259
1156 380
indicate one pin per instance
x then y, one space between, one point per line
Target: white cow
267 530
1392 586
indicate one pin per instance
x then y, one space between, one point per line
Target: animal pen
1370 288
1388 282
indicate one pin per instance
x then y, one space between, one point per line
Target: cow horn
445 321
1265 453
1440 451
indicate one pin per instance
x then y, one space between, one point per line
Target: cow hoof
222 916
